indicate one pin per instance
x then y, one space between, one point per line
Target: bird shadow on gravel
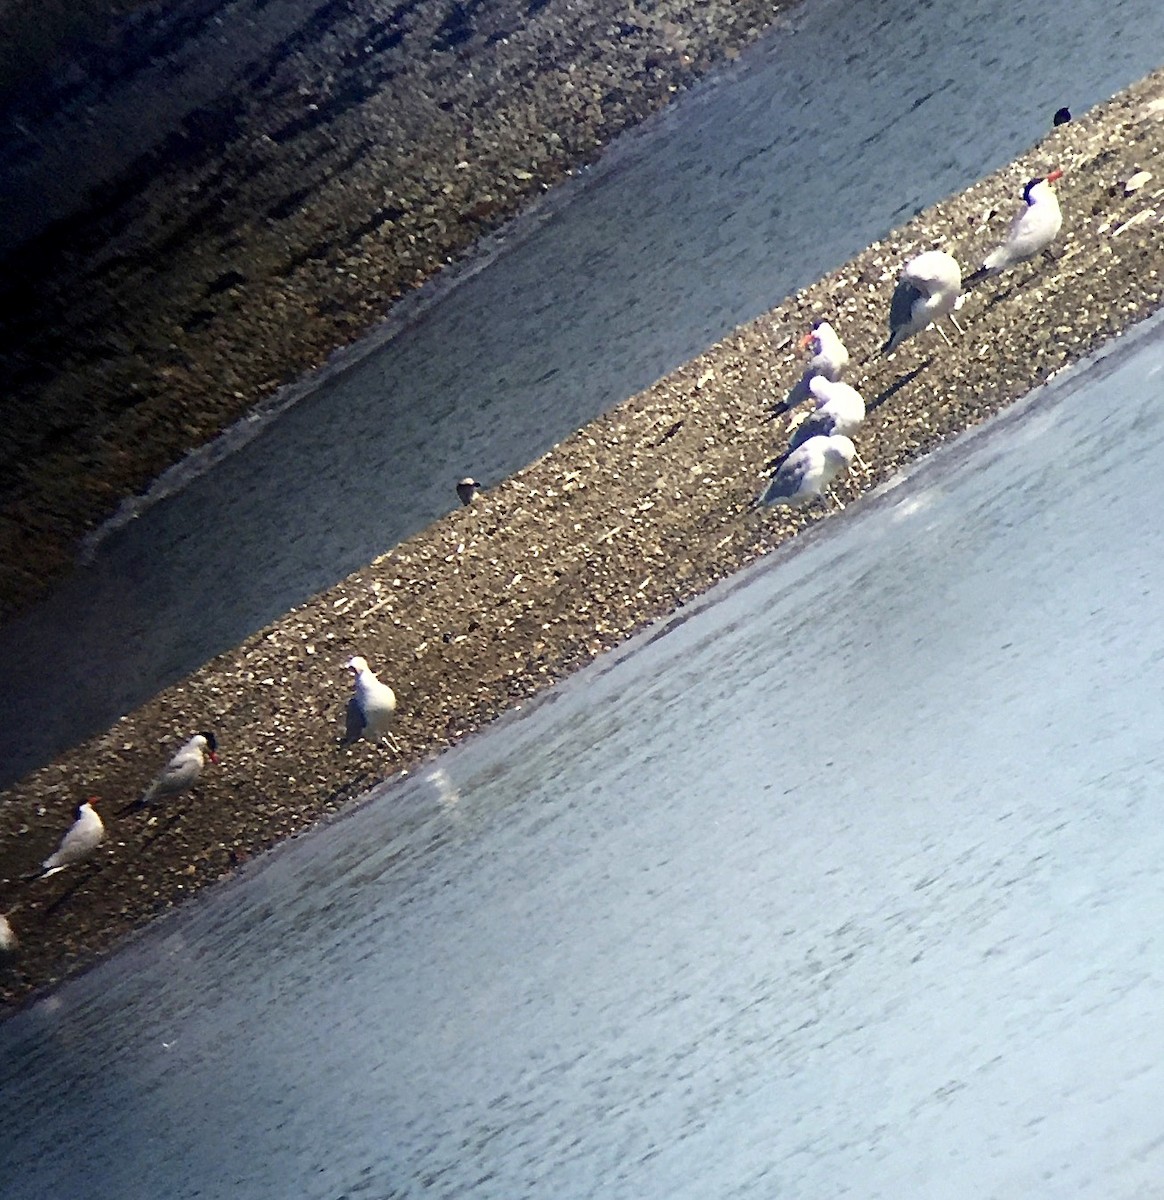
896 386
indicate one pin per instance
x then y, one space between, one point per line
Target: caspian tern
829 358
1034 228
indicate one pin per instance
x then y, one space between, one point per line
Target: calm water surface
847 881
831 131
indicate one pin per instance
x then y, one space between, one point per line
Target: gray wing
788 479
356 723
798 393
176 777
817 424
901 306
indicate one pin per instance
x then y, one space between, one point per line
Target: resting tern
1034 228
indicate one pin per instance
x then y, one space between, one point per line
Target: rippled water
847 880
834 129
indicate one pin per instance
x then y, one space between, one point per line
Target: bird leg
954 322
391 742
944 338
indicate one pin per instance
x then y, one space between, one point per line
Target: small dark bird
1062 116
467 490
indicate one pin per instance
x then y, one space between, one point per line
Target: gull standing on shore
81 841
929 290
807 472
839 409
1034 228
181 773
371 708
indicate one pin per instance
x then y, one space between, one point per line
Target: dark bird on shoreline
181 773
1034 228
467 490
929 289
1062 116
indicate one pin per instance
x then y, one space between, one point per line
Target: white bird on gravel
1035 227
929 290
181 773
807 472
371 708
9 942
81 842
839 409
829 358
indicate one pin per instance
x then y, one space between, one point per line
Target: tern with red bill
829 359
829 356
1034 228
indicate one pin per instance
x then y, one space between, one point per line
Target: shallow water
846 880
837 127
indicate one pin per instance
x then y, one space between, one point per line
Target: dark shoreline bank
350 162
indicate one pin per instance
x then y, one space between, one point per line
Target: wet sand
221 250
621 523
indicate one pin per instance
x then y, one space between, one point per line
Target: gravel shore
637 513
340 164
